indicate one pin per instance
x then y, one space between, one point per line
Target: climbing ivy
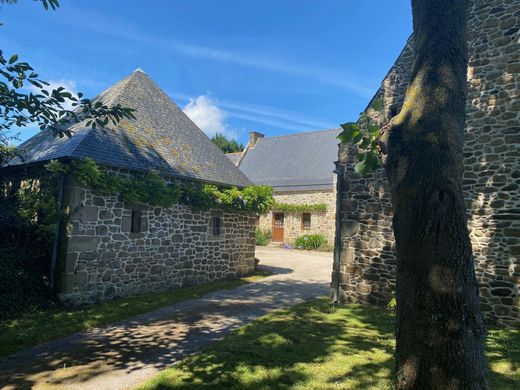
150 188
299 208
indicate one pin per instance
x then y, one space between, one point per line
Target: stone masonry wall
491 179
321 222
102 259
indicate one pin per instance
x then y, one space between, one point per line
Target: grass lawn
316 346
43 325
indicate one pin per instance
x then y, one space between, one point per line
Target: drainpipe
54 255
337 237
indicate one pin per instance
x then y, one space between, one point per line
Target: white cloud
69 85
325 75
290 120
204 111
266 115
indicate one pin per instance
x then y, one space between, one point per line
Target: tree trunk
440 330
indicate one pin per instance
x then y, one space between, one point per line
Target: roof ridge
160 137
300 134
120 89
401 53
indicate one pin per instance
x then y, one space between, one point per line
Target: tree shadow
272 353
150 341
271 269
503 356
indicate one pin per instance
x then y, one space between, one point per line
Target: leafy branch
26 99
47 108
365 135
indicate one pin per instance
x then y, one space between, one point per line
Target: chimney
253 137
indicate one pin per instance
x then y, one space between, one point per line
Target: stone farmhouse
299 168
109 248
491 180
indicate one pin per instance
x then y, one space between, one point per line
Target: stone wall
491 179
102 259
321 222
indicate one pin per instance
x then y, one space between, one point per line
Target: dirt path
127 353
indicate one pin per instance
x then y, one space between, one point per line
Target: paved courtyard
127 353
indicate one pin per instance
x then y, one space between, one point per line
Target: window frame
136 221
216 226
304 226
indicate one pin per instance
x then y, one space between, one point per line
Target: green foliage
46 108
262 237
299 208
392 304
150 188
6 152
226 145
28 213
310 241
365 135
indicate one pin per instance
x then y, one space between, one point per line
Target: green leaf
351 131
350 126
361 168
365 142
13 59
377 105
373 129
368 162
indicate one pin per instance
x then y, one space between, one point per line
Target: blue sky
277 67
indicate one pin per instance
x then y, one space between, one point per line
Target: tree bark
440 329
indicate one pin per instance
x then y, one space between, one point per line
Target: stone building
299 168
109 248
491 178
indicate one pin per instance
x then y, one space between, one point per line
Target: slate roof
303 161
162 137
234 157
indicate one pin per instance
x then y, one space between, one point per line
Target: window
136 222
215 226
306 221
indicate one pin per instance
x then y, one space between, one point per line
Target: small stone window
306 221
137 219
215 226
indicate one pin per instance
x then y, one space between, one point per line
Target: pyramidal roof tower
161 138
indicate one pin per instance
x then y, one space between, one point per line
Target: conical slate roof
161 137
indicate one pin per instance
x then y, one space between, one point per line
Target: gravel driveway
127 353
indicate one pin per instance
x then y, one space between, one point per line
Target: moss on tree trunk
440 330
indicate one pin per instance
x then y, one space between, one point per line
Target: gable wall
102 259
321 222
491 179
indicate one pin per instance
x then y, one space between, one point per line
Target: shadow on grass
47 324
316 346
152 340
310 346
503 355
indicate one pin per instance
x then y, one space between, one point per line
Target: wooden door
278 227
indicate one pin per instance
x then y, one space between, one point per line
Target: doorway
278 219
